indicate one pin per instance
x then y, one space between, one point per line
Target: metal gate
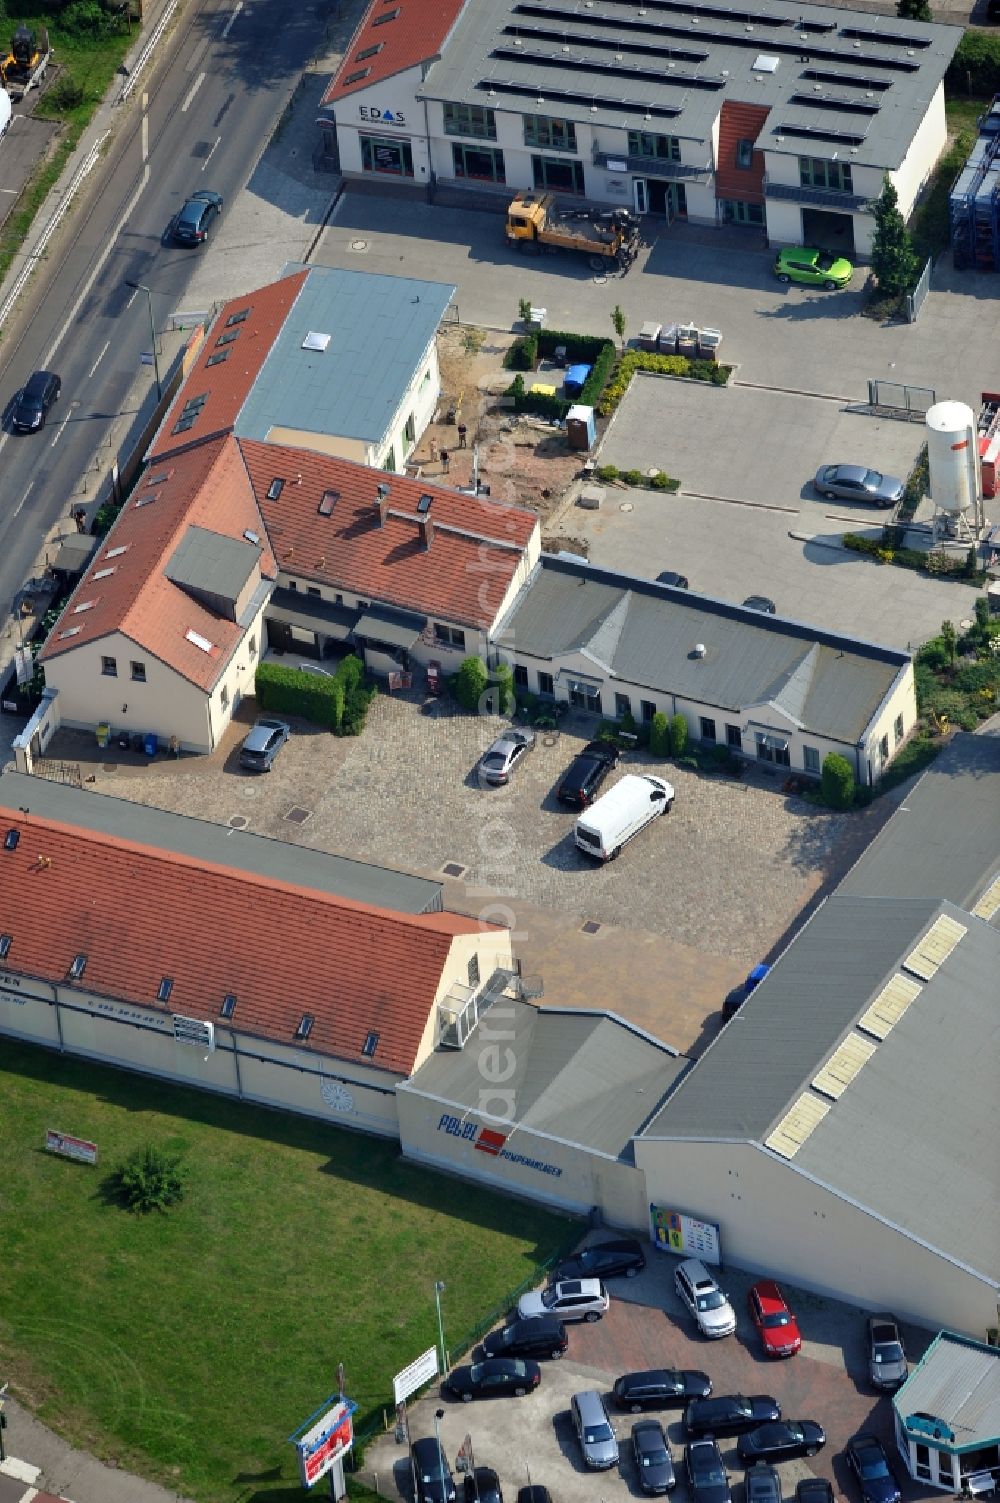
897 400
915 299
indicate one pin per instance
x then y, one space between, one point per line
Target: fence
915 299
897 400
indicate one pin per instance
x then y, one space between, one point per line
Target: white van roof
629 793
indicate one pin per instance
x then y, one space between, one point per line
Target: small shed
948 1416
581 429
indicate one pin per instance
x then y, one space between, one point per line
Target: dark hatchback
781 1441
708 1481
867 1460
482 1485
654 1465
192 225
603 1261
660 1388
493 1378
431 1473
34 401
730 1414
762 1484
545 1336
587 772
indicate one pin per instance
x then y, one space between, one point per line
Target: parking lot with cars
823 1394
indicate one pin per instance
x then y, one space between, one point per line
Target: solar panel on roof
796 1125
842 1066
989 903
890 1005
935 947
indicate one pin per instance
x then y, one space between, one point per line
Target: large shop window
480 162
470 120
735 211
383 154
658 148
559 177
550 133
816 172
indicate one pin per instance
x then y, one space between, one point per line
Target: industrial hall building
771 114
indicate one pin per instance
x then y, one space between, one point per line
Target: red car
779 1331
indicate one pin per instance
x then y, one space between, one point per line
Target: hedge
581 349
974 71
339 700
659 365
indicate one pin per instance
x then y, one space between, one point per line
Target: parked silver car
887 1366
855 482
500 759
699 1292
594 1430
264 742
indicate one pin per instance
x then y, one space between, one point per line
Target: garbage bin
687 341
103 735
150 744
667 341
709 341
648 336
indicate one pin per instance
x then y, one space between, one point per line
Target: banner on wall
687 1236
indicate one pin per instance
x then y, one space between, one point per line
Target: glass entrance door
639 194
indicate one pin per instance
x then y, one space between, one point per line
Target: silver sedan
500 759
853 482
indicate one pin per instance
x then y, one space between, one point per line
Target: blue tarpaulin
574 379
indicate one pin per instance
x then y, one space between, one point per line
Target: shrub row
887 550
339 701
658 482
659 365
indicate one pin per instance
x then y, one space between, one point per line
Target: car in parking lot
708 1480
571 1299
654 1463
812 267
813 1490
594 1431
34 400
587 772
193 223
762 1484
855 482
660 1388
482 1485
602 1260
432 1477
499 760
778 1328
887 1366
866 1457
263 743
730 1413
534 1493
541 1336
698 1291
782 1440
493 1378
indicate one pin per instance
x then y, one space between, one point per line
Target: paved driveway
645 1328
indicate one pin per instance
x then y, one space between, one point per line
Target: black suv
33 403
587 772
544 1336
662 1388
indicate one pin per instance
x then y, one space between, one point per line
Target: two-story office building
779 115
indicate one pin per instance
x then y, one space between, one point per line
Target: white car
573 1299
699 1292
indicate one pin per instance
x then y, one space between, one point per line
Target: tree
619 321
894 260
837 782
659 735
678 734
470 684
524 309
913 10
950 640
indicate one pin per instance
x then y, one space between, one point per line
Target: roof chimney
424 520
382 502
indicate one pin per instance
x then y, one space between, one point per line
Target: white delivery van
621 813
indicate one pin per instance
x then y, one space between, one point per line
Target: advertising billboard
328 1439
69 1147
419 1372
688 1236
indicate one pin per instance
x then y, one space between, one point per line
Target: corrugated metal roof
379 329
586 1078
945 840
957 1381
337 876
645 635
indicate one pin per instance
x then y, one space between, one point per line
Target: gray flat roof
583 1077
958 1381
644 633
944 842
835 81
273 859
209 563
379 329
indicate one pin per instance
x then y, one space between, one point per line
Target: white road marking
209 157
101 356
24 498
223 34
189 96
59 431
145 137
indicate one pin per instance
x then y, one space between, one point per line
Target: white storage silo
952 457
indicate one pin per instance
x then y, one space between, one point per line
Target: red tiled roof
415 34
129 591
475 550
140 914
227 385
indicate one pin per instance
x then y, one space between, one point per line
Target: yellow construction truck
24 66
605 236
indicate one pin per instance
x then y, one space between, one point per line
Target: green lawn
190 1345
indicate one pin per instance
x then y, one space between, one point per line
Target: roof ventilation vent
698 650
765 62
314 341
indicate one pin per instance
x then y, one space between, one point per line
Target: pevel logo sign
486 1140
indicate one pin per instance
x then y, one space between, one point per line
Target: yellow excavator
24 66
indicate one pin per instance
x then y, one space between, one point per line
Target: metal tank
952 457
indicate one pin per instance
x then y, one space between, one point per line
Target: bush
603 365
292 691
659 735
975 68
678 735
356 695
659 365
148 1180
469 684
503 680
581 349
83 19
65 94
661 482
634 477
523 353
606 473
837 783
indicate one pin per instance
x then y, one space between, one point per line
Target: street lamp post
140 287
438 1291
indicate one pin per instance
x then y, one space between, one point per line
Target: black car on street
493 1378
660 1388
587 772
432 1479
603 1260
654 1464
545 1336
781 1441
193 223
730 1413
708 1480
865 1455
34 400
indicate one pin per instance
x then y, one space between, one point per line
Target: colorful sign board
419 1372
69 1147
677 1232
329 1439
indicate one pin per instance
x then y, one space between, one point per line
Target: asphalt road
200 119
